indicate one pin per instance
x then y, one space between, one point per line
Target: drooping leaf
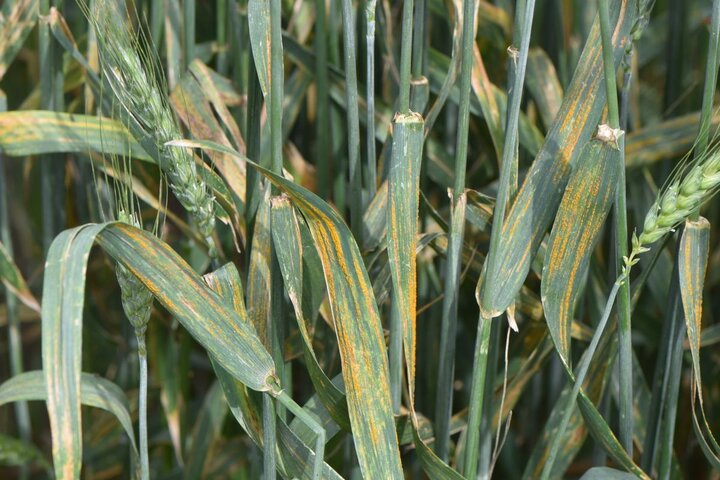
287 239
95 392
296 458
234 344
692 266
33 132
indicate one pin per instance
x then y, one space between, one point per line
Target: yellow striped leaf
692 267
537 201
583 209
35 132
402 221
357 326
176 286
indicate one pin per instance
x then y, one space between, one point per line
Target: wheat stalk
139 94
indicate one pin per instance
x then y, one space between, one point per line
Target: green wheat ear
683 195
131 77
136 298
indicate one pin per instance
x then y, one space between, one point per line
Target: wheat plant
461 239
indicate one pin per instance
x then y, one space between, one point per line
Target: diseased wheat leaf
287 239
543 85
692 266
234 344
357 326
17 20
402 219
536 202
35 132
296 458
585 205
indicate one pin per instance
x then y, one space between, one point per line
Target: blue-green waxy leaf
606 473
578 225
402 221
357 326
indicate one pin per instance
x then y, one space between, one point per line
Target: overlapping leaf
357 326
541 192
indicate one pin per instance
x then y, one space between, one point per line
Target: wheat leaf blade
260 40
541 192
287 239
296 458
95 391
577 228
36 132
19 20
234 344
692 267
14 281
357 324
402 219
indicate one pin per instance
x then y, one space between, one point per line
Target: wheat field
379 239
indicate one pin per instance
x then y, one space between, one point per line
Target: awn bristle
139 94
